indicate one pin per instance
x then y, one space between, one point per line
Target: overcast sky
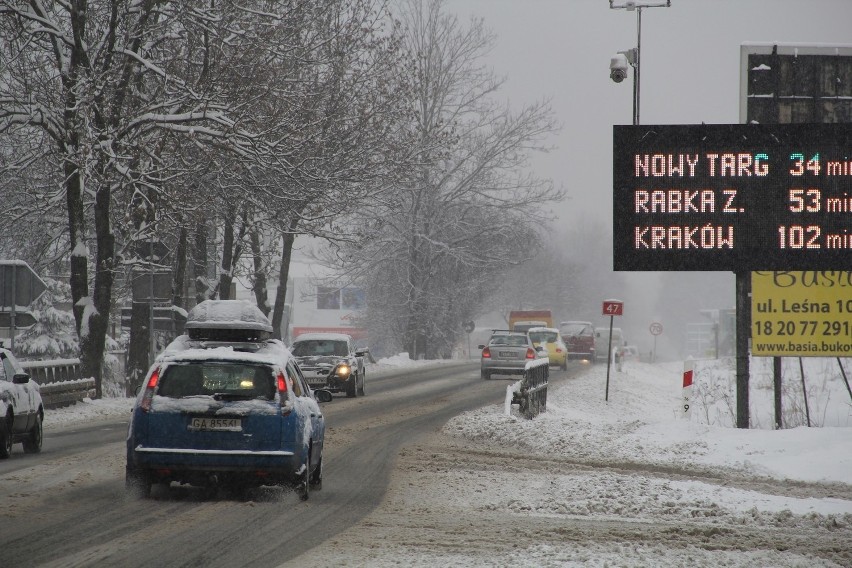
561 49
690 73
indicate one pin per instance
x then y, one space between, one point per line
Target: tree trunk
137 350
93 343
178 298
79 279
199 255
261 295
287 240
225 277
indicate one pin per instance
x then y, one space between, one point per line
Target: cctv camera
618 67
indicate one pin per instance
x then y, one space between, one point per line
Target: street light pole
637 51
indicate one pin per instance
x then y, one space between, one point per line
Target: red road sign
656 328
613 308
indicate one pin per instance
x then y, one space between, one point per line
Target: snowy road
589 483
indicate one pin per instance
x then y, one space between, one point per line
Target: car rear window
513 340
319 347
236 380
543 336
573 329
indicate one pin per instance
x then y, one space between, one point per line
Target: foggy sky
690 59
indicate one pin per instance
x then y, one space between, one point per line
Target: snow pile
642 423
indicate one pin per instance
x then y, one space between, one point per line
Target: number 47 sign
613 308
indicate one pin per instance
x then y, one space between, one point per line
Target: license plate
506 354
216 424
316 380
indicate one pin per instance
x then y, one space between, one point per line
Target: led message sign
734 197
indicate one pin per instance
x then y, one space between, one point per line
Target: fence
59 381
530 393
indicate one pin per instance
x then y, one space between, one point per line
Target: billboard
801 313
732 197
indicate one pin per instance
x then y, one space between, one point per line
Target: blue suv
224 405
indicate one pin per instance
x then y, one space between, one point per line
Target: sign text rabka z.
731 197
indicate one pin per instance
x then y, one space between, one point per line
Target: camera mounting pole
634 62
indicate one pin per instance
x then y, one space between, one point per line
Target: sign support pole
608 359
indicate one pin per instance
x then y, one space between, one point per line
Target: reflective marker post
688 371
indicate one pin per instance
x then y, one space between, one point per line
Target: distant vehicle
631 352
602 343
523 320
508 353
549 337
330 361
21 408
579 338
224 405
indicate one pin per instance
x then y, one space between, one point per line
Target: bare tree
468 209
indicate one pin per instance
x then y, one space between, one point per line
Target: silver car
508 353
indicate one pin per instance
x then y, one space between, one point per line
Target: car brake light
559 350
486 353
153 380
530 353
284 400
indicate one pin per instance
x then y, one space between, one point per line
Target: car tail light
486 353
153 380
559 350
283 397
530 353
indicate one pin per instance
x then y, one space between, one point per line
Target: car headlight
343 370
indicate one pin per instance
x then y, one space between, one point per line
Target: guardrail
530 393
59 381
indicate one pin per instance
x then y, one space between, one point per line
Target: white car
602 345
21 408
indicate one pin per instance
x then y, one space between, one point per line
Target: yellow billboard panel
801 314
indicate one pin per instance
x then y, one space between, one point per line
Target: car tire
32 443
363 378
304 486
316 477
486 375
352 387
137 483
5 439
564 365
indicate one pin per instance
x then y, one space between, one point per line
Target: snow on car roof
552 329
323 337
227 314
271 354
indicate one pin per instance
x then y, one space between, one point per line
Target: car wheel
5 440
137 483
304 487
352 386
363 378
485 375
32 443
316 477
564 365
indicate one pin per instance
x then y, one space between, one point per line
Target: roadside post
656 328
688 369
611 308
469 326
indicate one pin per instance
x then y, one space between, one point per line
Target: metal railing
59 381
530 393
